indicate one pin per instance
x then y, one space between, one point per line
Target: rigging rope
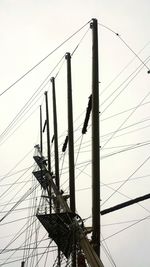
138 168
42 60
119 36
131 225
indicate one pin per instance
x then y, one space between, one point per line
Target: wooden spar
48 145
70 135
48 133
125 204
95 142
56 148
41 136
71 146
55 133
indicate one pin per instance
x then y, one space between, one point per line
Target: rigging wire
112 183
117 76
17 220
134 53
45 251
6 191
47 254
133 178
8 203
20 209
7 135
79 150
80 42
138 168
131 77
19 233
119 36
129 116
122 194
148 210
125 150
21 199
107 252
122 222
16 165
127 227
15 251
37 224
42 60
129 132
28 104
124 111
6 176
19 259
23 182
31 254
29 232
26 248
81 171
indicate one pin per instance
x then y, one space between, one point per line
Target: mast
41 137
71 149
70 135
48 133
95 142
55 133
48 146
56 148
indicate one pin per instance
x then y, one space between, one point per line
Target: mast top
93 22
67 55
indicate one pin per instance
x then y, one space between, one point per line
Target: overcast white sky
29 31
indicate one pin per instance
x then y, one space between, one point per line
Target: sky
31 30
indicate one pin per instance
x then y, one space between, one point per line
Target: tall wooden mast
48 146
71 148
95 142
48 133
55 133
70 135
41 137
56 155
